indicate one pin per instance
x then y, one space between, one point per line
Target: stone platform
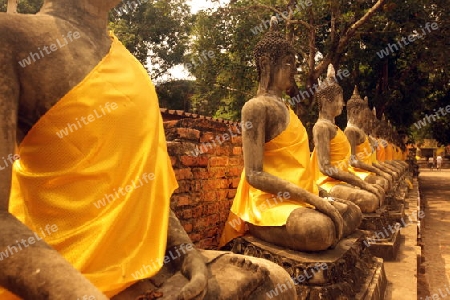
382 233
349 271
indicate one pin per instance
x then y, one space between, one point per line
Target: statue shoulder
255 107
325 128
15 30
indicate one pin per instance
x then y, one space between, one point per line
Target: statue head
374 124
275 61
356 109
329 95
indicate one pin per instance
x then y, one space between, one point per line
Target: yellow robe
389 152
287 157
363 154
340 154
96 166
381 152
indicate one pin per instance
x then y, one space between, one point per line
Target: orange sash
287 157
96 166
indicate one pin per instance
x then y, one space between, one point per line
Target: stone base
347 272
375 221
386 249
397 214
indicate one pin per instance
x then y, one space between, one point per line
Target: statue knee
316 233
368 203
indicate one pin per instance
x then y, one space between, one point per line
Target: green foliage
24 7
155 30
176 94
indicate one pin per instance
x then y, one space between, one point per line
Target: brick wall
207 158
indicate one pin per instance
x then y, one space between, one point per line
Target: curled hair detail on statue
355 101
273 46
329 88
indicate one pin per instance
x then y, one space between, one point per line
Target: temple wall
207 159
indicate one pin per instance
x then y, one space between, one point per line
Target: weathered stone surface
346 272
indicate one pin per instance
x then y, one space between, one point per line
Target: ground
434 278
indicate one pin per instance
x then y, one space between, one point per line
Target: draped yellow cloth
340 153
96 166
389 152
381 153
286 157
363 154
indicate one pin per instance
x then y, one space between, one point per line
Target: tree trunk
12 6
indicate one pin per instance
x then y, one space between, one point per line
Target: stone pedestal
349 271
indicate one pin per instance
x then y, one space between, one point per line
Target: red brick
236 161
185 214
237 150
223 151
197 161
195 237
170 124
235 182
219 172
201 223
173 160
208 196
200 173
188 133
207 148
197 212
235 171
223 217
207 137
188 227
236 140
183 200
222 195
211 209
231 194
225 205
218 161
211 232
181 174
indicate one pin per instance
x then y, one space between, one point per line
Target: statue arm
355 162
191 262
24 269
253 140
322 136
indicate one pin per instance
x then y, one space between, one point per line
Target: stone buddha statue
372 127
277 199
361 149
134 243
332 155
385 148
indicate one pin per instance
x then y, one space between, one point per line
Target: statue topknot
273 45
355 101
329 88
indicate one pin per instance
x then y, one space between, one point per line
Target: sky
197 5
180 72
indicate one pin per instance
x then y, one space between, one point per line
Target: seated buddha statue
277 199
361 149
332 154
83 123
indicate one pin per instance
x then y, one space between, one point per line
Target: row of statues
119 251
344 177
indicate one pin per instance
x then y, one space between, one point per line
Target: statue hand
332 210
377 190
388 177
194 268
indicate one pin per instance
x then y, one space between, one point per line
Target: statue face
338 104
284 73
